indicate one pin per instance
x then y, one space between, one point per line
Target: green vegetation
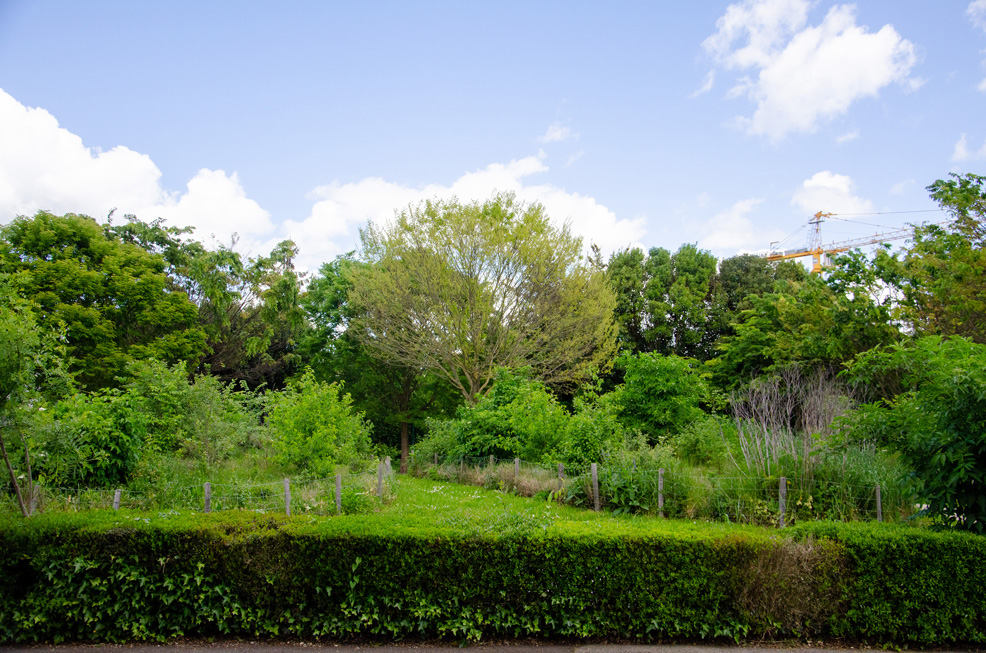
466 564
479 344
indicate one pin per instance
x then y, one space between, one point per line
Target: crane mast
816 249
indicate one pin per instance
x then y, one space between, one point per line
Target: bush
703 442
315 427
518 417
107 577
937 421
660 395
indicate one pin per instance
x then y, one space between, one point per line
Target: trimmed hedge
128 576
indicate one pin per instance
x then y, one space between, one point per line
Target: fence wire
325 496
670 493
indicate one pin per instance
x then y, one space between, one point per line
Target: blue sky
641 123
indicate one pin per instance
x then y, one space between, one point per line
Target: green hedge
128 576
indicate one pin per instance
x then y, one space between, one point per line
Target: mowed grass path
422 505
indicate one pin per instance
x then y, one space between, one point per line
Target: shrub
660 395
518 417
315 427
937 421
703 442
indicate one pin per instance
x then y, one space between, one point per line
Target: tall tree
393 397
250 310
463 289
114 297
940 281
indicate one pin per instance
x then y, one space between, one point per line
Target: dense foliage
464 331
121 577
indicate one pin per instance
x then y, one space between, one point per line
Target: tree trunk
405 446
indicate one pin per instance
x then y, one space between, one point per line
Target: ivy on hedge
126 576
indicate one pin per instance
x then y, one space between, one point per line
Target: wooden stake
783 499
207 493
287 497
595 487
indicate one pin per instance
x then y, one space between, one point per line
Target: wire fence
674 493
339 494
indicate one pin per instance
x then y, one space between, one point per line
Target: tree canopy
464 289
113 297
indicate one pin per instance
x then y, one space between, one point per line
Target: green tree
113 298
940 281
461 290
315 427
393 397
249 309
812 323
936 420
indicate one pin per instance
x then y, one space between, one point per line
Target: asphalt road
296 647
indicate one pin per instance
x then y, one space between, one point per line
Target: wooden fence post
207 491
595 487
783 499
116 499
879 505
380 478
660 492
287 497
436 460
491 461
338 494
561 476
516 469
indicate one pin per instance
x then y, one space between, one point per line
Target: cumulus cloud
831 193
961 152
847 137
732 231
45 166
340 209
558 133
800 75
977 13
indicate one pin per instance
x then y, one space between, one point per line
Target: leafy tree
812 323
393 397
663 298
461 290
940 281
660 395
113 297
937 421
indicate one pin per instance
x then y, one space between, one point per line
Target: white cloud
731 231
45 166
805 74
961 152
340 209
710 80
847 137
977 13
831 193
901 186
558 133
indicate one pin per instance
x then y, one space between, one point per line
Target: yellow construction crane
816 250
